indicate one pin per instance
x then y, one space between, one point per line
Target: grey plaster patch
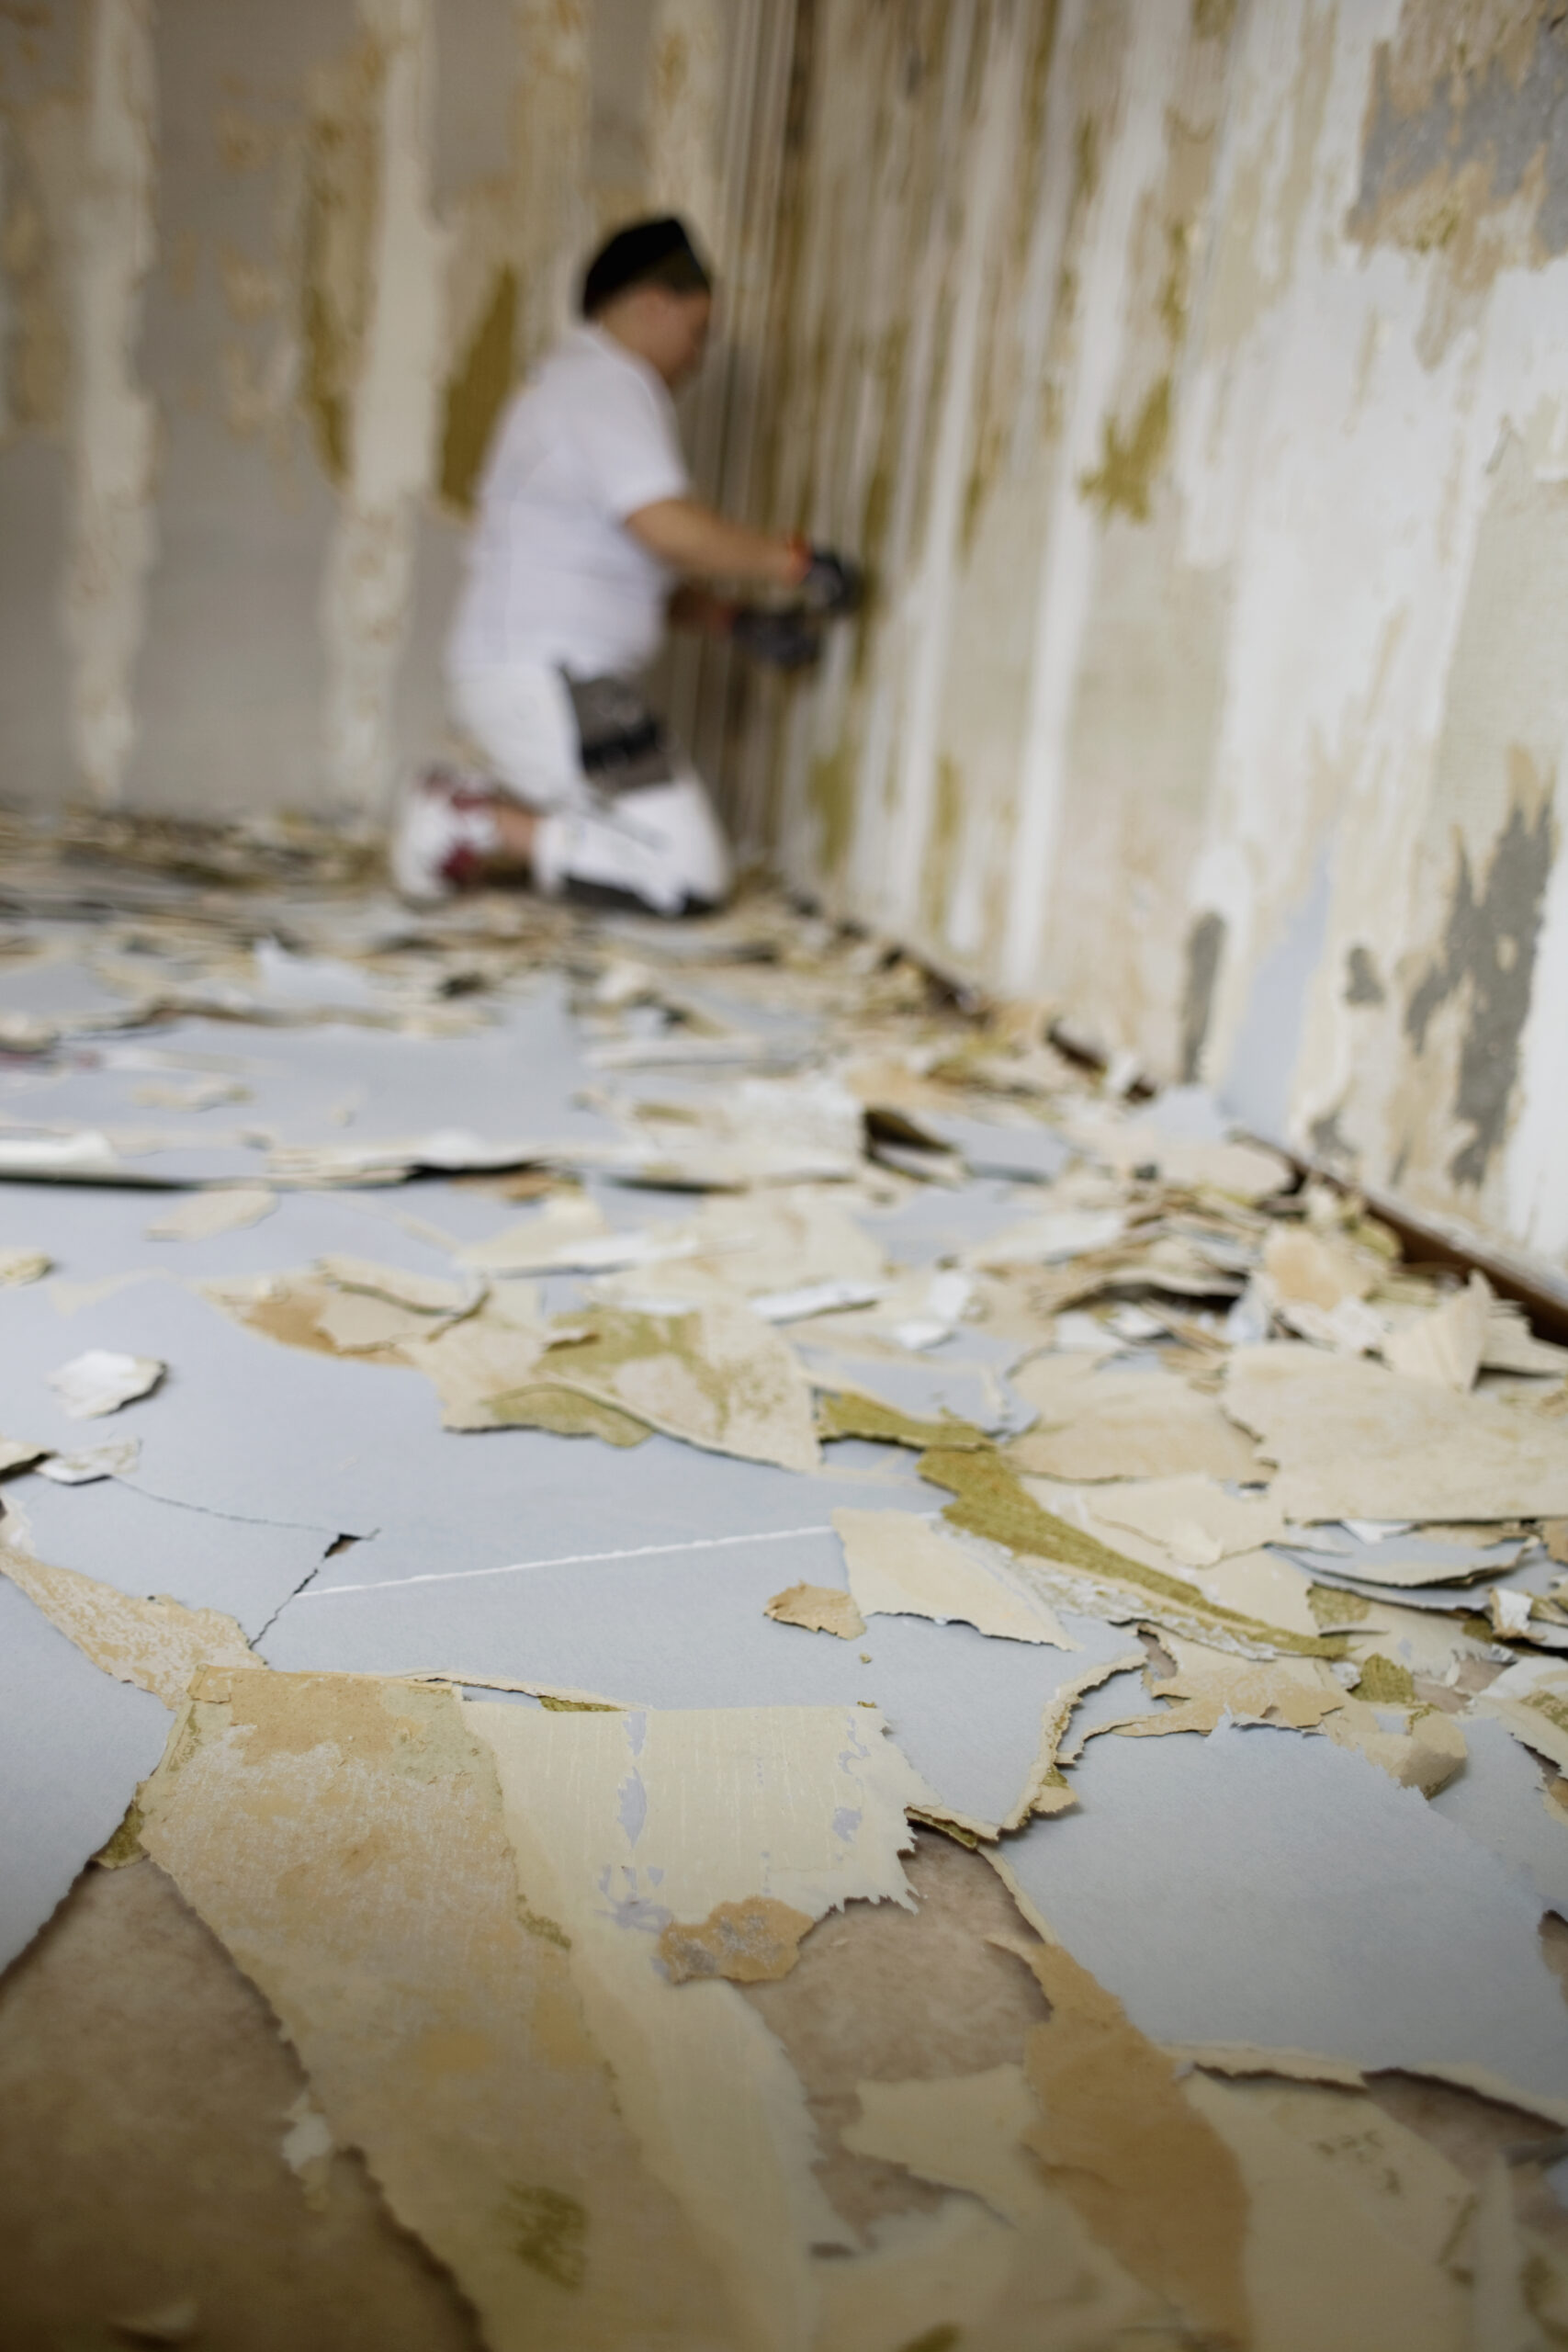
1497 120
1490 943
1362 985
1205 948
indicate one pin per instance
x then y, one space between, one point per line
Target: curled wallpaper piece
158 1644
425 1294
991 1500
1124 1424
719 1377
1247 1171
1531 1698
117 1459
1048 1790
343 1835
1448 1345
227 1208
624 1824
1354 1440
102 1380
19 1454
1209 1685
19 1266
820 1609
1192 1517
901 1565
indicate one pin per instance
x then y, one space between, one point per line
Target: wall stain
1465 153
940 854
1362 985
1491 945
1206 951
477 392
343 173
831 795
1123 483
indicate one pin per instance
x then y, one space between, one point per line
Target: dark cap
658 253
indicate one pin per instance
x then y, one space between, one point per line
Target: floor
702 1650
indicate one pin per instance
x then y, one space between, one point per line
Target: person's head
649 289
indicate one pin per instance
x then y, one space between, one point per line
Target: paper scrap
621 1824
157 1644
962 2129
753 1942
1446 1346
991 1500
719 1377
344 1836
1355 1440
1117 1423
102 1380
1192 1517
18 1266
117 1459
901 1565
1328 2260
227 1208
1312 1269
819 1608
18 1452
1151 2176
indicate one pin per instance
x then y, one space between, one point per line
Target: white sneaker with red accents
445 830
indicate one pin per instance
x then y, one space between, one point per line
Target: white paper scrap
102 1380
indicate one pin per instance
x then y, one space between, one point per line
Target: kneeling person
586 525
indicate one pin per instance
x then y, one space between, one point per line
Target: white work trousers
521 719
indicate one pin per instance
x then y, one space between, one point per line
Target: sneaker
661 848
445 830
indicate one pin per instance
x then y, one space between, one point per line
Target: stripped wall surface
1192 373
1195 379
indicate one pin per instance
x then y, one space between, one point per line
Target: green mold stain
478 391
1130 462
550 2233
942 845
831 795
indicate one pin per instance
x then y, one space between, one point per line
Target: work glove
833 587
786 637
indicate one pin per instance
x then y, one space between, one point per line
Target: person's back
554 575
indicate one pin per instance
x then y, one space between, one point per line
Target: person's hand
831 585
784 639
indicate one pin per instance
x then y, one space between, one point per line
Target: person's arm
691 538
698 608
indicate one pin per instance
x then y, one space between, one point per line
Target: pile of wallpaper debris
845 1690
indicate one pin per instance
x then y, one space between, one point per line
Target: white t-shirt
553 575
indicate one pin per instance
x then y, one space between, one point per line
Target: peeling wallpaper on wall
1192 376
268 278
1196 380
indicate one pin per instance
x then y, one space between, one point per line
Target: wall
1195 379
1192 373
266 276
